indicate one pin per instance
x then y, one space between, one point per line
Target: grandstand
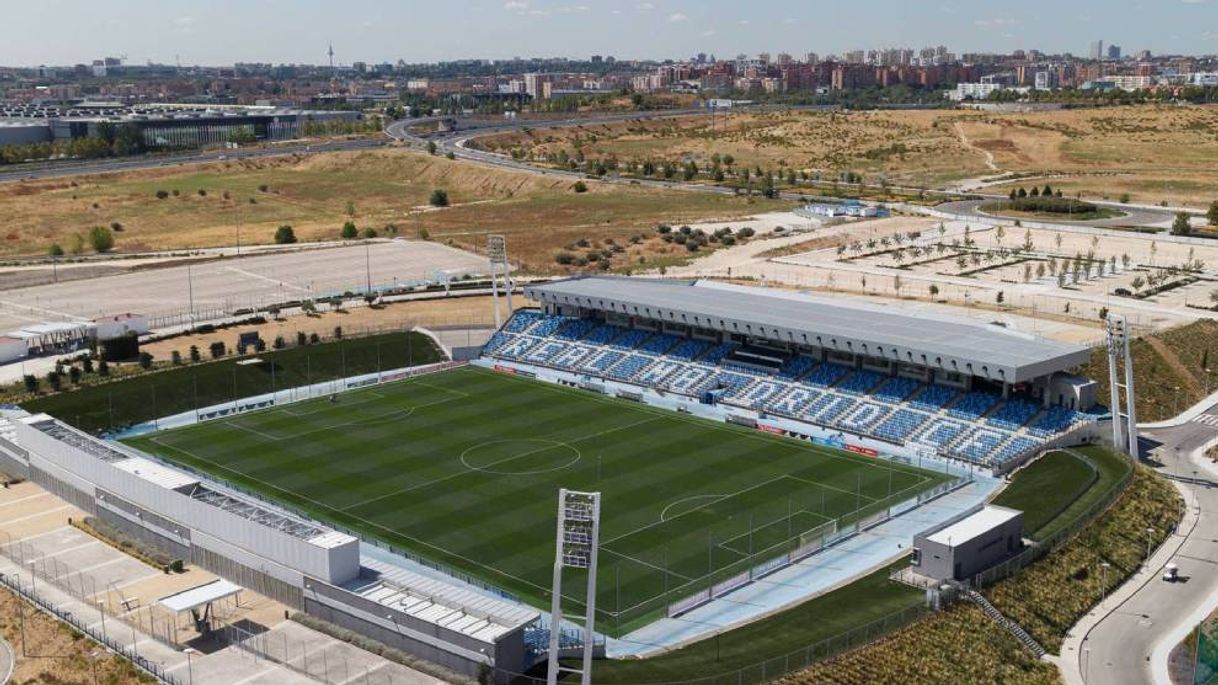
967 391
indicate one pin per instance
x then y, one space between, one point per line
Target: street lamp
1104 580
1149 532
190 669
1086 663
101 607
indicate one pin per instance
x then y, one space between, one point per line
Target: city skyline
228 31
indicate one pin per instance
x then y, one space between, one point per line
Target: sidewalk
1070 662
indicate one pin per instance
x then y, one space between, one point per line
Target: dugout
960 549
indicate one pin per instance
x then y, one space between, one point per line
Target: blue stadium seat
1055 420
660 343
862 419
522 320
896 389
826 374
690 349
628 367
901 424
973 405
859 382
933 397
719 352
796 367
571 329
1013 414
630 339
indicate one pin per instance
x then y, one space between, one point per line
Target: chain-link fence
29 591
766 670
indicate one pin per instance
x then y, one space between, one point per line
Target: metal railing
29 592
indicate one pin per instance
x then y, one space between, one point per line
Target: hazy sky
227 31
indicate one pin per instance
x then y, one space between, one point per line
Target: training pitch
463 468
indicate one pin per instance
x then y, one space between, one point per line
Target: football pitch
463 468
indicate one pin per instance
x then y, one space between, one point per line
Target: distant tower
579 524
331 53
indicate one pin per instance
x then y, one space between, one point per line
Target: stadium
736 435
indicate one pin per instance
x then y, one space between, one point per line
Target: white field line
498 462
648 564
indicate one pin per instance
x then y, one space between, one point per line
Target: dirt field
1153 153
315 195
472 311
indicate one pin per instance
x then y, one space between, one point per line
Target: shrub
301 339
580 187
565 258
55 250
31 382
176 192
176 358
101 239
202 192
349 231
338 332
103 368
116 227
285 235
262 188
162 194
314 339
280 343
145 361
369 232
217 349
439 198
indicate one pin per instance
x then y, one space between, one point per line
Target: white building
110 327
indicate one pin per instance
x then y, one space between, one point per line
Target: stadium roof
949 343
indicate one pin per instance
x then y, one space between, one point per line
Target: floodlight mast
579 521
1119 354
496 251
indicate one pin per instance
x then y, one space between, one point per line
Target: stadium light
496 252
579 520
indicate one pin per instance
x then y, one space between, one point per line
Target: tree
31 382
439 198
580 187
284 235
101 239
55 250
369 232
1047 192
1212 215
301 339
55 380
103 368
1000 297
74 375
1137 283
431 147
934 290
1181 226
217 349
145 361
1103 313
349 231
176 358
195 357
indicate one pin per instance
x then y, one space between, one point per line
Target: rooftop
950 343
969 527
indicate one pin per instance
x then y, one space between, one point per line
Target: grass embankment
830 615
317 194
177 389
959 645
1050 596
1056 489
1046 598
1173 369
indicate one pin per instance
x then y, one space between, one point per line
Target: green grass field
1056 489
464 467
104 406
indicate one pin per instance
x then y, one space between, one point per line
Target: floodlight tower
496 251
579 522
1119 356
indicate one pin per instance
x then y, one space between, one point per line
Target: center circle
520 456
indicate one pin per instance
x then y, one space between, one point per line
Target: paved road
1134 216
1122 644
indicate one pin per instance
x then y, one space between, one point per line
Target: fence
1054 541
775 667
326 664
29 592
736 575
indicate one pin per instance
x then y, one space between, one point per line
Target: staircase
1011 627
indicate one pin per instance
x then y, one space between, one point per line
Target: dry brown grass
312 193
858 141
54 653
1154 153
